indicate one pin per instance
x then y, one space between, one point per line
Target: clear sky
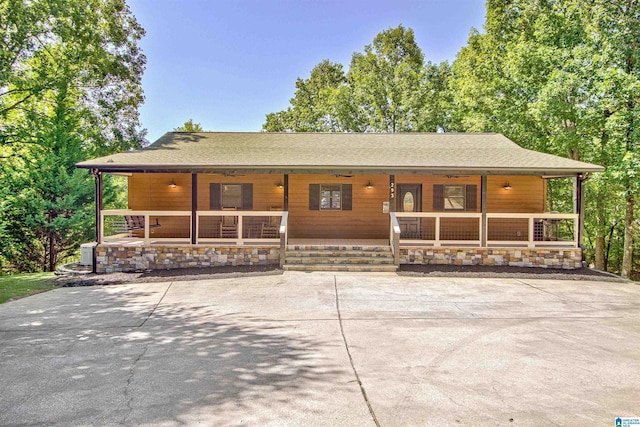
227 63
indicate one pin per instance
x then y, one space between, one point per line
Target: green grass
23 285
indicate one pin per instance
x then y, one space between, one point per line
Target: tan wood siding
365 221
266 194
428 181
151 191
527 194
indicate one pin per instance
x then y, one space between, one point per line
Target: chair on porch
135 223
229 227
271 228
269 231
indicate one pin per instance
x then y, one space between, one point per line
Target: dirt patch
184 274
187 274
506 272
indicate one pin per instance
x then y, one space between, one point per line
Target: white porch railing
440 228
129 226
394 237
502 229
143 226
533 230
238 227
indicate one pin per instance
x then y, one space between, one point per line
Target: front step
339 258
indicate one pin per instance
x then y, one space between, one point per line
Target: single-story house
340 201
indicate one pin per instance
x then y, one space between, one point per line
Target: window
330 197
454 197
230 196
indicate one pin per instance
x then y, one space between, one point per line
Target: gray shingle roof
339 152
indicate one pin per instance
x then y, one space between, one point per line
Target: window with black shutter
231 197
330 197
448 197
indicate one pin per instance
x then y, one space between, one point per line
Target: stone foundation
112 259
515 257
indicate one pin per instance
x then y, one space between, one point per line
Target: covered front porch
548 240
210 199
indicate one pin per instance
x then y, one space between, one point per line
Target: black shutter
247 197
470 201
314 197
215 201
347 195
438 197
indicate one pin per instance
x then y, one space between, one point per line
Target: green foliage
22 285
189 126
70 75
561 76
388 88
313 107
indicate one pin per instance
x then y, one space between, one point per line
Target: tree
70 74
313 106
561 76
189 126
388 88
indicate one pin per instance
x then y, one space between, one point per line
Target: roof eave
345 169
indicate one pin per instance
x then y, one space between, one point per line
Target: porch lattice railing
233 227
502 229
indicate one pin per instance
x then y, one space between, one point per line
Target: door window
408 202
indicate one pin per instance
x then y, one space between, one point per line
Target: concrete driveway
323 349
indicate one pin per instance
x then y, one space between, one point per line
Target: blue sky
227 63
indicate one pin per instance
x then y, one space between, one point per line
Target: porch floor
338 242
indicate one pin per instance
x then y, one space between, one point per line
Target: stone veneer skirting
515 257
112 259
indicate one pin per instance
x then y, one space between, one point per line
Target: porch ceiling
339 153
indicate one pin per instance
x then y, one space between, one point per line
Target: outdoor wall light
369 185
507 186
173 183
280 185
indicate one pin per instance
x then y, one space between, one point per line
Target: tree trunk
600 231
627 254
52 253
599 261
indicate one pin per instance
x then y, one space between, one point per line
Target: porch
177 239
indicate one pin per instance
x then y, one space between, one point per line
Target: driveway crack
127 393
153 310
353 366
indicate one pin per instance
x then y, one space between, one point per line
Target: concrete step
324 259
372 268
339 258
332 253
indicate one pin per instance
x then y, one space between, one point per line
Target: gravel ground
405 270
507 272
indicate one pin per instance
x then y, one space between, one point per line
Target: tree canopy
387 88
189 126
70 87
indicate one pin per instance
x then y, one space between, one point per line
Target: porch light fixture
173 183
507 186
369 185
280 185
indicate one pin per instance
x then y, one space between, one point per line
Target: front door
409 200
